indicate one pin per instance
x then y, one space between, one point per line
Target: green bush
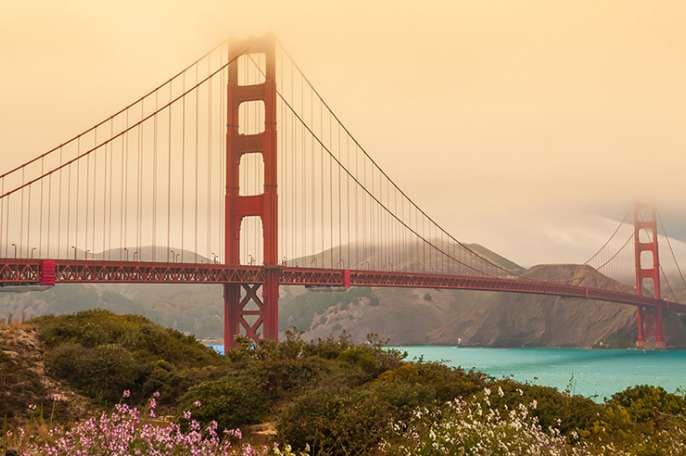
648 403
102 354
445 382
340 421
101 373
233 401
283 377
355 420
553 408
135 333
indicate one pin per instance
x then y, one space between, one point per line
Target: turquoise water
593 373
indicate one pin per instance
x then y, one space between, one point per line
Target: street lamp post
15 250
126 252
74 248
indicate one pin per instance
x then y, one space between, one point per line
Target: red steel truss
28 272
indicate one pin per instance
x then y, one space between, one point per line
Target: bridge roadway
27 272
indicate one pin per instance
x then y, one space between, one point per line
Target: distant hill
478 318
404 316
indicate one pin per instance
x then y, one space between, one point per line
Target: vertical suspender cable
169 171
40 222
154 181
78 191
95 192
183 163
87 196
209 163
197 136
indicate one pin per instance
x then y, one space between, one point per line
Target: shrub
101 373
648 403
281 378
351 421
145 339
340 421
462 427
554 408
446 383
101 354
233 401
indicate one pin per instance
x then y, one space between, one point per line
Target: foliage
233 401
260 377
473 428
127 430
335 421
649 403
554 408
330 419
333 396
145 339
101 354
445 383
101 372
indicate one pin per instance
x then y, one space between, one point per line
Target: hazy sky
510 121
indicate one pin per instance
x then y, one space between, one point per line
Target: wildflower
126 394
125 431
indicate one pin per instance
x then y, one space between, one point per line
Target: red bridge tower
647 257
244 306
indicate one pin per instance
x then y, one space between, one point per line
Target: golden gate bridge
235 171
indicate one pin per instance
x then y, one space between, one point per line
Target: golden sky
491 114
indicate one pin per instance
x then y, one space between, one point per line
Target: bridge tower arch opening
649 322
251 309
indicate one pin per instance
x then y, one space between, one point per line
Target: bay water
596 374
592 373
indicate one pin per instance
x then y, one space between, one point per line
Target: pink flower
125 431
126 394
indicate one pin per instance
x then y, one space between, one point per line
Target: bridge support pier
251 309
649 328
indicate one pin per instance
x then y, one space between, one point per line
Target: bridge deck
28 272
